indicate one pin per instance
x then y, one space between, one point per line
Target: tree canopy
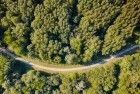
58 31
117 77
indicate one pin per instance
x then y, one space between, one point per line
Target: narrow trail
54 69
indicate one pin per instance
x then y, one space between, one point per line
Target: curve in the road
68 69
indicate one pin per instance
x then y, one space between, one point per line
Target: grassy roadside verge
44 63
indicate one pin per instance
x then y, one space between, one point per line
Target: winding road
54 69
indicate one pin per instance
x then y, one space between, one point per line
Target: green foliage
137 33
5 71
122 28
53 30
72 59
76 44
91 49
16 23
3 61
116 77
130 75
48 36
33 82
71 32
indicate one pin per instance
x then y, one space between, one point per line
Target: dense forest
119 77
69 31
